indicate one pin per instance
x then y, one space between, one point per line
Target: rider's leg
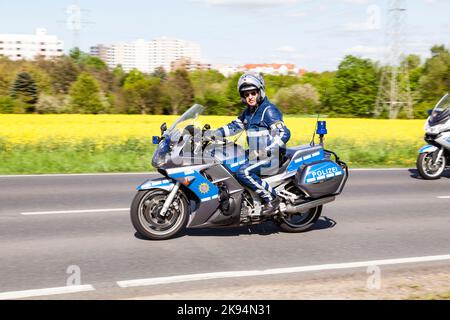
249 175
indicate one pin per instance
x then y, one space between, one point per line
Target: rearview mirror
429 112
163 128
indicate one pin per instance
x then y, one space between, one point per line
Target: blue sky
315 35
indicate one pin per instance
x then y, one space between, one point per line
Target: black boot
270 208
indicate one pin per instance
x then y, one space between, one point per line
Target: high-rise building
147 56
29 46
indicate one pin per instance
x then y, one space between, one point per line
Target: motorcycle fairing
161 183
207 214
428 149
444 140
203 189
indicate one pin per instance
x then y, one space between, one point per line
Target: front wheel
427 169
300 222
146 218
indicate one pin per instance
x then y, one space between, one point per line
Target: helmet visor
248 88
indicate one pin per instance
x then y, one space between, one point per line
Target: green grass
135 156
86 157
377 154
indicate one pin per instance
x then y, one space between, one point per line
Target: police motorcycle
435 157
199 188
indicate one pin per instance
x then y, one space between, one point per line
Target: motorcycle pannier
321 179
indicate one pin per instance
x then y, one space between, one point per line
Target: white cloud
298 56
357 1
373 21
299 14
420 44
288 49
365 50
360 27
246 3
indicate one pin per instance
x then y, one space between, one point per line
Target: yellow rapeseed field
112 129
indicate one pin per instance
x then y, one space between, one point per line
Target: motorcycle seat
292 151
286 156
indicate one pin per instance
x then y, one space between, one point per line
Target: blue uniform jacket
265 127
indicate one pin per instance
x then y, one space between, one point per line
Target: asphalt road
383 214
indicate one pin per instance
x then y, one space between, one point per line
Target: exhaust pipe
309 205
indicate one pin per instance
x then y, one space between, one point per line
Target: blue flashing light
322 128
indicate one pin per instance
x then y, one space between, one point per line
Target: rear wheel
427 169
146 218
300 222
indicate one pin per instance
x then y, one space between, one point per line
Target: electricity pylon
394 93
75 22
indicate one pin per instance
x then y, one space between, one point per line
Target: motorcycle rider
266 134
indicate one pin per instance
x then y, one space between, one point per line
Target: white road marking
240 274
444 197
45 292
218 275
73 211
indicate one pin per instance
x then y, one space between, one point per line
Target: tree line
80 83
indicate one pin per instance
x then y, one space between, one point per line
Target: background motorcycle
200 190
435 157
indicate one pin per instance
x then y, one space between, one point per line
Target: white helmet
252 81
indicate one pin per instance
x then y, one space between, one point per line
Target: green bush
7 104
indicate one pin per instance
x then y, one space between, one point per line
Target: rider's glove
212 135
209 135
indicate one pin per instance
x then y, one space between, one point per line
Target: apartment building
29 46
147 56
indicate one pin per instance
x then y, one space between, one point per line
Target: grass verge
135 155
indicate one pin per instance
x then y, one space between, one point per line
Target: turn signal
187 181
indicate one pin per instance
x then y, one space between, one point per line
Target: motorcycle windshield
188 118
441 113
175 132
444 104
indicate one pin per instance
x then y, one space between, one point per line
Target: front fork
437 156
170 199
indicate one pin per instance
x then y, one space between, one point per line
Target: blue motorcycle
199 189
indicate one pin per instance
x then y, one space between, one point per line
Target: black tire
423 166
144 215
307 220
